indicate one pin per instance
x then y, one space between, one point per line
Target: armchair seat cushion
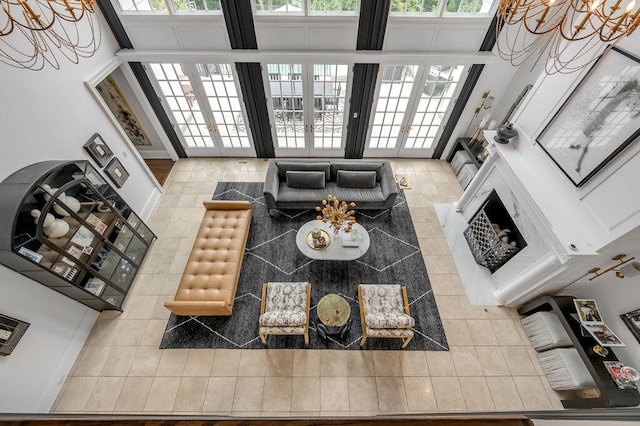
389 320
390 332
283 319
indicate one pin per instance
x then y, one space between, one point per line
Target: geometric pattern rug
271 254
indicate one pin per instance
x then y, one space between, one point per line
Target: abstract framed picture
598 120
632 321
116 172
117 103
98 150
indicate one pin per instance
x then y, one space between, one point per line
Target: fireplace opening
492 235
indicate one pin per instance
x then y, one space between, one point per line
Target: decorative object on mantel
632 321
505 133
11 331
46 29
337 214
598 120
529 29
487 103
516 104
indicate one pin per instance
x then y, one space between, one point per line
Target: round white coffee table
336 250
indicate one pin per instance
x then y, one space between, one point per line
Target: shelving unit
473 151
96 260
610 395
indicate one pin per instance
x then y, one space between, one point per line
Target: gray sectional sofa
303 184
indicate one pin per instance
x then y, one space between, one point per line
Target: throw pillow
353 179
307 180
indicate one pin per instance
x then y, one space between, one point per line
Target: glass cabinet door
75 225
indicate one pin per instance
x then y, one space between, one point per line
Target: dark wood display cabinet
64 226
473 150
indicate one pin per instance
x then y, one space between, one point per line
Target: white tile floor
490 367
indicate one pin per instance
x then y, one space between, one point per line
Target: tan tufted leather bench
210 279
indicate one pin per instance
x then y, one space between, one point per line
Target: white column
526 285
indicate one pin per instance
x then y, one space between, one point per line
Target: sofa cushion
355 166
284 166
356 179
310 180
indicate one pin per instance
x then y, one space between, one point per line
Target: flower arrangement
337 213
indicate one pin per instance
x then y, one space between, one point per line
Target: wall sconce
487 103
630 270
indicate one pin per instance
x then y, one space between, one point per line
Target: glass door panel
329 100
285 85
206 107
412 105
435 100
308 107
219 84
394 94
183 104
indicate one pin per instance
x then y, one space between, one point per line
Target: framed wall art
11 331
116 172
598 120
98 150
117 103
632 320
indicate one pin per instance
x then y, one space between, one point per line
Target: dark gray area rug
271 255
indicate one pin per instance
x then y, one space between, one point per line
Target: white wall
49 115
601 218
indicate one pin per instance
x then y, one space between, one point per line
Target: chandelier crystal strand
34 33
567 34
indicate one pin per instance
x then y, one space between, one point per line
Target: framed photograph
587 310
98 150
603 334
11 331
632 320
598 120
119 107
116 172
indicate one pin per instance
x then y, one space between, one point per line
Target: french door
307 106
412 104
204 103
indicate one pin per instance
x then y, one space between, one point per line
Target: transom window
315 7
304 7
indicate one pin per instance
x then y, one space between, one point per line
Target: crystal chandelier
571 32
33 32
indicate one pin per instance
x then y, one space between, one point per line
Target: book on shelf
591 320
614 370
95 286
101 227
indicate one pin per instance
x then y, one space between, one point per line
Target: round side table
333 312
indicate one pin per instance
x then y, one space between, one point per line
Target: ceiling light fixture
33 32
571 32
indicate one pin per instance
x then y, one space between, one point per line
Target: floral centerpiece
337 213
